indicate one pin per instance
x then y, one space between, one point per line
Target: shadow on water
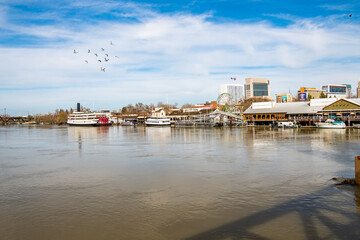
318 219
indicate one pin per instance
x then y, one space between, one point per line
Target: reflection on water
80 133
177 183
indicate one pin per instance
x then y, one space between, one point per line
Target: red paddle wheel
103 121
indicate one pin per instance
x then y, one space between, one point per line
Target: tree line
142 108
59 117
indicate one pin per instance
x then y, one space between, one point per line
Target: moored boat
286 125
157 122
88 119
331 123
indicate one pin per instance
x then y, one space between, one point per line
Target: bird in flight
106 54
103 49
350 15
106 59
117 56
95 54
111 43
75 52
88 50
99 60
86 61
102 69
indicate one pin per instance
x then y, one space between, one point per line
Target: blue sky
180 50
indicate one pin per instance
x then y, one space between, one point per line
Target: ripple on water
165 183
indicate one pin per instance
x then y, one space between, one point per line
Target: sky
177 51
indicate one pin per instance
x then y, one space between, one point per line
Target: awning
338 114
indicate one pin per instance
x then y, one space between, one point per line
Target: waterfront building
335 90
198 107
285 97
185 114
272 111
306 93
257 87
343 107
159 113
236 90
246 103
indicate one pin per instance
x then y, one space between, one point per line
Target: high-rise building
335 90
257 87
235 90
358 90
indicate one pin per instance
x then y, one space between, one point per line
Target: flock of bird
99 57
107 58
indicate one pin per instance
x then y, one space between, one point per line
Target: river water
177 183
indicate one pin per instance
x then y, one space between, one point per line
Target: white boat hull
87 119
331 126
83 124
157 122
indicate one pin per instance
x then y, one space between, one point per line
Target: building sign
284 98
302 96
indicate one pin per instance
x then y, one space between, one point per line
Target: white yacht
331 123
88 119
286 125
157 122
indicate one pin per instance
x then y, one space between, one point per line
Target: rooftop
309 107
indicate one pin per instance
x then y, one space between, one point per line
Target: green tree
62 118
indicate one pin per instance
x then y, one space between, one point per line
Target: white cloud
175 55
340 7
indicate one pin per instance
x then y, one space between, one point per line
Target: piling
357 170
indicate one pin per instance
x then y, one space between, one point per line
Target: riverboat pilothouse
88 119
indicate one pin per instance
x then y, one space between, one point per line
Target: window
260 89
334 89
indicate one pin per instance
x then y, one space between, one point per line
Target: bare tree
187 105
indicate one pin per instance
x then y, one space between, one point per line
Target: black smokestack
78 107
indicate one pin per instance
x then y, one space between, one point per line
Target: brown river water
177 183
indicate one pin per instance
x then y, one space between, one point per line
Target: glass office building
257 87
335 90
